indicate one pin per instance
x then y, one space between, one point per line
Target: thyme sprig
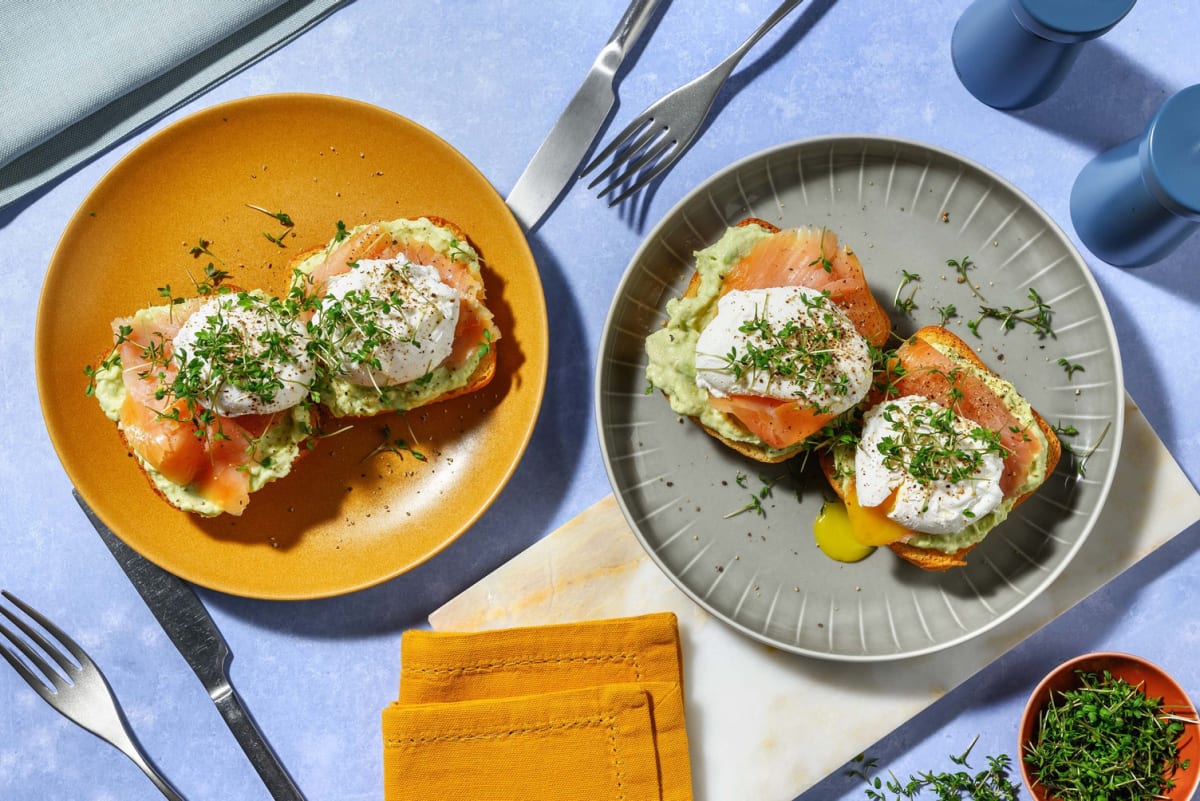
1037 315
989 784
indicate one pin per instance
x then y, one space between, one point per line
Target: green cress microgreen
1036 315
907 304
989 784
202 249
485 346
1070 368
804 353
1065 431
821 259
928 446
961 266
397 446
1082 459
342 232
946 312
347 330
284 219
1106 739
756 499
213 278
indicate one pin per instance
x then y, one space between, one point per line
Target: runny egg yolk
870 525
850 532
834 537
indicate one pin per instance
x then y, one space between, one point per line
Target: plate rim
43 362
608 333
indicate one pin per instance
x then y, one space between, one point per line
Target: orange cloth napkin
583 711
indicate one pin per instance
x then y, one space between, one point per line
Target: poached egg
390 321
789 343
941 470
244 354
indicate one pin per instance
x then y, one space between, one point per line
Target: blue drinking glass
1136 203
1013 54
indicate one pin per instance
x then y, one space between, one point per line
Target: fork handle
129 746
784 9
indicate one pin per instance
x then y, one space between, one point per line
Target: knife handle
633 23
246 731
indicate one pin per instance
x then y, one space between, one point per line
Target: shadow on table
1105 100
520 516
1008 681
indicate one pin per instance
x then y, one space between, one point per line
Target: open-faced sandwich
947 449
773 340
209 395
399 310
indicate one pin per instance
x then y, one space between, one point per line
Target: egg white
416 334
779 306
251 320
935 507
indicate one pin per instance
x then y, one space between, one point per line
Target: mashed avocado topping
672 350
277 449
975 532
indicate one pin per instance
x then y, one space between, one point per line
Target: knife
188 624
559 156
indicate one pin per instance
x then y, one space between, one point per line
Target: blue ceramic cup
1134 204
1013 54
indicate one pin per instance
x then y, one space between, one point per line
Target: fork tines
56 679
653 143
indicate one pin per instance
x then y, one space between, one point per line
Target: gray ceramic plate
900 205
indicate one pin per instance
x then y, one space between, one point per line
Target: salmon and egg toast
216 395
774 339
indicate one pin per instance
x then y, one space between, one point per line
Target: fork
82 695
669 125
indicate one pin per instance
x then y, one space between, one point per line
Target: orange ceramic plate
343 519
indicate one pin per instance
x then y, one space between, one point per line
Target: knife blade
558 157
188 625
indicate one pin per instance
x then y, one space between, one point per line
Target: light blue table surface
491 77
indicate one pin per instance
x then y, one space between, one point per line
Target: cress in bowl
1109 725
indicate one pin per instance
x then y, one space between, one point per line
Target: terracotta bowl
1135 670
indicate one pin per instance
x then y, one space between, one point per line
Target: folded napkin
79 76
582 711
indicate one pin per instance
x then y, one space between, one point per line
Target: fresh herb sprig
906 304
961 266
755 505
398 446
1036 315
1070 368
1106 739
989 784
284 219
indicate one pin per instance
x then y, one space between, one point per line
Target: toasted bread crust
925 558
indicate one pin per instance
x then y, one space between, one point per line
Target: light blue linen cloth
78 75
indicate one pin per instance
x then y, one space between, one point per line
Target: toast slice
745 442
